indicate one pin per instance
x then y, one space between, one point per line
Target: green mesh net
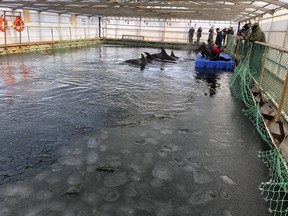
265 67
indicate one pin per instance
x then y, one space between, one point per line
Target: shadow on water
211 78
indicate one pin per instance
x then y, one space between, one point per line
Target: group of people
252 33
212 50
220 35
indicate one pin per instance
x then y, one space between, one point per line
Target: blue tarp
204 63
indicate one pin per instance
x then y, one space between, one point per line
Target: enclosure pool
83 133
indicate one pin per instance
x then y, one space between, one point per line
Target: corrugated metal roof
233 10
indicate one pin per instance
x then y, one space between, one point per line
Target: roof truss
232 10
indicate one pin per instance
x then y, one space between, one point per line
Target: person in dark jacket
219 37
191 34
257 34
199 34
204 49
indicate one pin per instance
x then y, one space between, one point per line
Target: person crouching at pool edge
215 54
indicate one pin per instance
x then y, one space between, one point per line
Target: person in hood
257 34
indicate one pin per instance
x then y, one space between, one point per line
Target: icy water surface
89 135
47 100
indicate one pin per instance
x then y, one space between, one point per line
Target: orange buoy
3 24
19 24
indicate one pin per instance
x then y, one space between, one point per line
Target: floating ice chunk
162 153
44 195
92 157
131 192
228 180
170 147
115 179
4 211
42 176
125 211
164 209
57 206
56 167
74 178
77 151
70 161
213 141
135 176
18 190
109 194
141 141
93 142
53 180
155 182
138 168
183 210
166 131
202 177
102 148
115 164
147 158
189 168
152 141
104 135
91 198
202 197
178 160
227 212
33 211
162 171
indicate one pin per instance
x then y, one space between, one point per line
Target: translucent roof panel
230 10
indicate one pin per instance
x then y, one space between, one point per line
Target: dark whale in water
148 57
174 56
139 61
163 56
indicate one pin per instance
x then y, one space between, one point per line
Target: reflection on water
48 99
211 78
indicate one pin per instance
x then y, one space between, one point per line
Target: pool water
83 133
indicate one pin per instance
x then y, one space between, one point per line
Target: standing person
224 31
199 34
257 34
211 32
231 31
219 37
191 34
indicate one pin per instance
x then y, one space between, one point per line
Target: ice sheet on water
109 194
138 168
162 171
131 192
183 210
93 142
164 209
155 182
70 161
56 167
228 180
57 206
102 148
74 178
44 195
4 210
201 197
115 179
18 190
53 180
92 157
166 131
91 198
201 177
170 147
